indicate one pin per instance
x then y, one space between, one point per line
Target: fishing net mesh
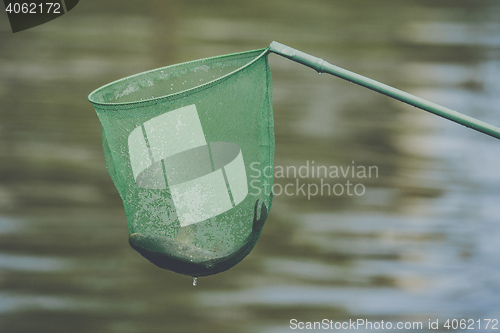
190 149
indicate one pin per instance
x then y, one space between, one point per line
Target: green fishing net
190 149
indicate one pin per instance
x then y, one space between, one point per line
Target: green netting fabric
190 148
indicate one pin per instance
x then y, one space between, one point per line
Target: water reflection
420 243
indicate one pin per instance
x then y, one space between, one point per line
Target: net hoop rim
205 85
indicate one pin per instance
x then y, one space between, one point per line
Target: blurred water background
420 243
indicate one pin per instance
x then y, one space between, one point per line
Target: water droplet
195 281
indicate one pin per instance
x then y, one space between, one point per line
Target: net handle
322 66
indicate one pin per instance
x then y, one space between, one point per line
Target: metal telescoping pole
322 66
